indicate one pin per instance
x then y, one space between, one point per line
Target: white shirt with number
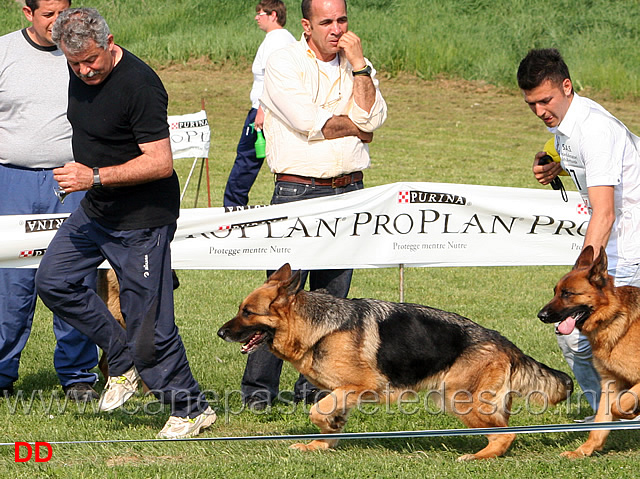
597 149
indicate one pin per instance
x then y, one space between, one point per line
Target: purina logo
583 209
179 125
30 253
430 197
49 224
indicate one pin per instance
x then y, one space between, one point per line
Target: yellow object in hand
550 149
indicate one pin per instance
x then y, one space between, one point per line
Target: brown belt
336 182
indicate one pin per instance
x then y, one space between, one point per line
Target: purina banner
415 224
190 135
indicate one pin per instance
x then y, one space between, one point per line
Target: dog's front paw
467 457
312 446
299 446
577 454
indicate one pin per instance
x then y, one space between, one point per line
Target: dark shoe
80 392
257 403
174 278
6 391
312 396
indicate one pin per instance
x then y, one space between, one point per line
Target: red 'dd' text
25 451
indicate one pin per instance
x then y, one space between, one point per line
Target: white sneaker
119 389
183 427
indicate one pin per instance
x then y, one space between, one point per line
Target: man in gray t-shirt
35 138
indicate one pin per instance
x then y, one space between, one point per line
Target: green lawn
441 131
470 39
447 72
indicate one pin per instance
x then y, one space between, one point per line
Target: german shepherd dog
365 349
586 298
108 288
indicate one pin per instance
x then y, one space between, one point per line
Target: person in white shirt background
271 17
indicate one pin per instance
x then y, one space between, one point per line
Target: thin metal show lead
547 428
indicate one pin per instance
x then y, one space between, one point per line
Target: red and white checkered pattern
582 209
26 254
403 197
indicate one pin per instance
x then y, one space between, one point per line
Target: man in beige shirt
322 103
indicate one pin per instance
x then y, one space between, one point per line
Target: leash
548 428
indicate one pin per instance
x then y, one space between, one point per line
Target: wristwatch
96 178
365 71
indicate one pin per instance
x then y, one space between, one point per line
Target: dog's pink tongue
566 326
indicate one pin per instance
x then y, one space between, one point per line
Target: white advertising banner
415 224
190 135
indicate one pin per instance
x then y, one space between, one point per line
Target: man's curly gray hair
75 27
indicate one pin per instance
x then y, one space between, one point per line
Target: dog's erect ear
292 286
585 260
289 283
598 275
602 258
283 274
287 290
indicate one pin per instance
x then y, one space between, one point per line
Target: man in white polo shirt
322 104
602 157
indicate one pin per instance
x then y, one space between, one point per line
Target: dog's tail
538 381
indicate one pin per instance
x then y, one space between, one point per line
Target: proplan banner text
415 224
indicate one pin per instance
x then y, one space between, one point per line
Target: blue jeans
576 348
142 262
262 373
245 168
30 191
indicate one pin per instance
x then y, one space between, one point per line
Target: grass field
445 130
450 131
470 39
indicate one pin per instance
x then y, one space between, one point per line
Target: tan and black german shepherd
586 298
365 349
108 288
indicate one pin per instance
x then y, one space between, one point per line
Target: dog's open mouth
254 342
568 324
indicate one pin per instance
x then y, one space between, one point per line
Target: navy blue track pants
142 261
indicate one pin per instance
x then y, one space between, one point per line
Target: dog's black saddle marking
415 344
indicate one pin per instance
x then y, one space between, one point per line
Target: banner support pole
401 285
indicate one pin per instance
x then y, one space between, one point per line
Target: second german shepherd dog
365 349
586 298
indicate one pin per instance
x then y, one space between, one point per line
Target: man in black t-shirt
118 111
